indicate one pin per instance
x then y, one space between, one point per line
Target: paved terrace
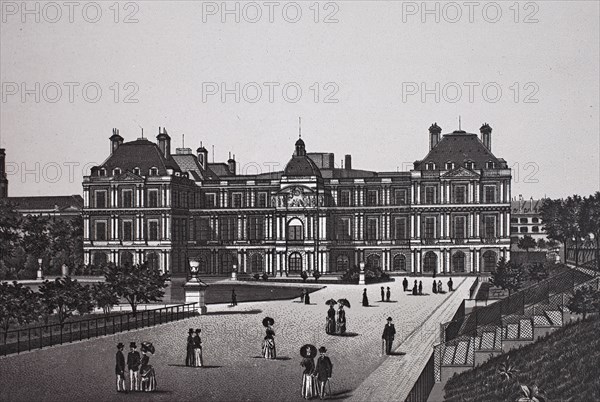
232 338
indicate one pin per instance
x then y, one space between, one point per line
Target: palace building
449 214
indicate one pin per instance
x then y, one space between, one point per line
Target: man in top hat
120 368
133 364
405 284
388 335
450 284
382 294
190 360
388 294
323 371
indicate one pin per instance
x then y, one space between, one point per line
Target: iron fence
27 339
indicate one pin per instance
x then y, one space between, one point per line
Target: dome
301 166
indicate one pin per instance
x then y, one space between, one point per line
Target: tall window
458 262
237 200
490 226
374 261
342 263
490 194
295 230
430 262
184 230
400 196
399 263
429 228
256 263
127 231
256 228
489 261
100 198
429 195
153 198
295 262
228 228
226 263
343 229
344 198
262 200
153 230
459 227
210 200
204 229
127 198
372 197
101 231
460 194
400 228
371 229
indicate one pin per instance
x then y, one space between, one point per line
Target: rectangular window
101 231
153 230
345 198
400 228
371 229
429 231
262 200
400 197
153 198
236 200
460 194
371 197
256 228
490 226
100 198
204 229
210 200
343 229
184 230
429 195
295 232
127 231
459 227
127 198
228 228
490 194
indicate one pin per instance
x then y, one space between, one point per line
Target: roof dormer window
116 171
430 166
490 165
136 171
470 165
153 171
102 172
449 165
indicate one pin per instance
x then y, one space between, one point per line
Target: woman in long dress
268 346
341 320
309 384
147 374
330 329
198 349
365 300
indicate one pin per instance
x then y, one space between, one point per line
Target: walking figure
439 287
434 287
388 336
388 294
198 349
365 301
450 284
323 371
120 368
330 329
133 364
307 298
382 294
420 287
233 298
415 290
341 320
405 284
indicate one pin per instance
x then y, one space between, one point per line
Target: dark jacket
331 313
197 342
133 361
324 368
388 332
120 367
308 364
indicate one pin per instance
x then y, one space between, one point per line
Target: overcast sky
373 78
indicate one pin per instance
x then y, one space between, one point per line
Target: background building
526 219
451 213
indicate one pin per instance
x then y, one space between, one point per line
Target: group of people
333 325
305 297
418 288
141 374
315 377
193 357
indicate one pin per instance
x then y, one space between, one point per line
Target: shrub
265 276
372 275
316 274
256 277
304 276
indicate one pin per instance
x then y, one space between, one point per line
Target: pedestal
65 270
234 276
39 274
194 293
361 275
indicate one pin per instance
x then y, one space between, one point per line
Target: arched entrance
458 262
374 261
489 261
342 263
152 260
126 258
430 263
399 263
295 263
256 263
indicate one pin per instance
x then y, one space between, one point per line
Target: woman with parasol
147 374
268 346
341 320
330 326
309 384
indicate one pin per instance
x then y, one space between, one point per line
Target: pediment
460 173
128 176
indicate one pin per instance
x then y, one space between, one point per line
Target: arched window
99 259
449 165
153 171
490 165
116 171
295 262
126 258
295 230
469 165
430 262
430 166
342 263
399 263
152 260
458 262
226 263
489 261
136 171
374 261
256 263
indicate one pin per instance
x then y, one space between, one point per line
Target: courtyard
232 336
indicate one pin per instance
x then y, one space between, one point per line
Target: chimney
202 156
434 135
3 179
348 162
486 136
231 163
164 142
115 140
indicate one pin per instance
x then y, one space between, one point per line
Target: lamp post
195 289
361 274
40 275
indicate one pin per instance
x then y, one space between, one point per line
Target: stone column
195 289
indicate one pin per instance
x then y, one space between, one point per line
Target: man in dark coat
120 368
388 335
388 295
405 284
189 357
307 298
420 287
434 287
382 294
233 298
323 371
365 301
415 290
133 364
330 329
450 284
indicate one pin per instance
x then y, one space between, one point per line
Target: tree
10 222
18 304
105 297
36 238
590 218
316 274
526 242
65 296
541 244
583 301
137 283
538 271
507 276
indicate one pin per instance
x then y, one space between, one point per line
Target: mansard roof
459 147
141 154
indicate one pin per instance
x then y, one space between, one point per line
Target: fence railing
27 339
422 388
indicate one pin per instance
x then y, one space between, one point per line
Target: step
512 331
448 355
487 341
525 329
541 321
460 356
555 317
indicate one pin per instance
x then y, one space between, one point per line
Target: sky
367 78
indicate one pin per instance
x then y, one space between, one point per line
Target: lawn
564 365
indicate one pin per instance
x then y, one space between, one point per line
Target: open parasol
268 321
331 302
344 302
308 350
148 347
